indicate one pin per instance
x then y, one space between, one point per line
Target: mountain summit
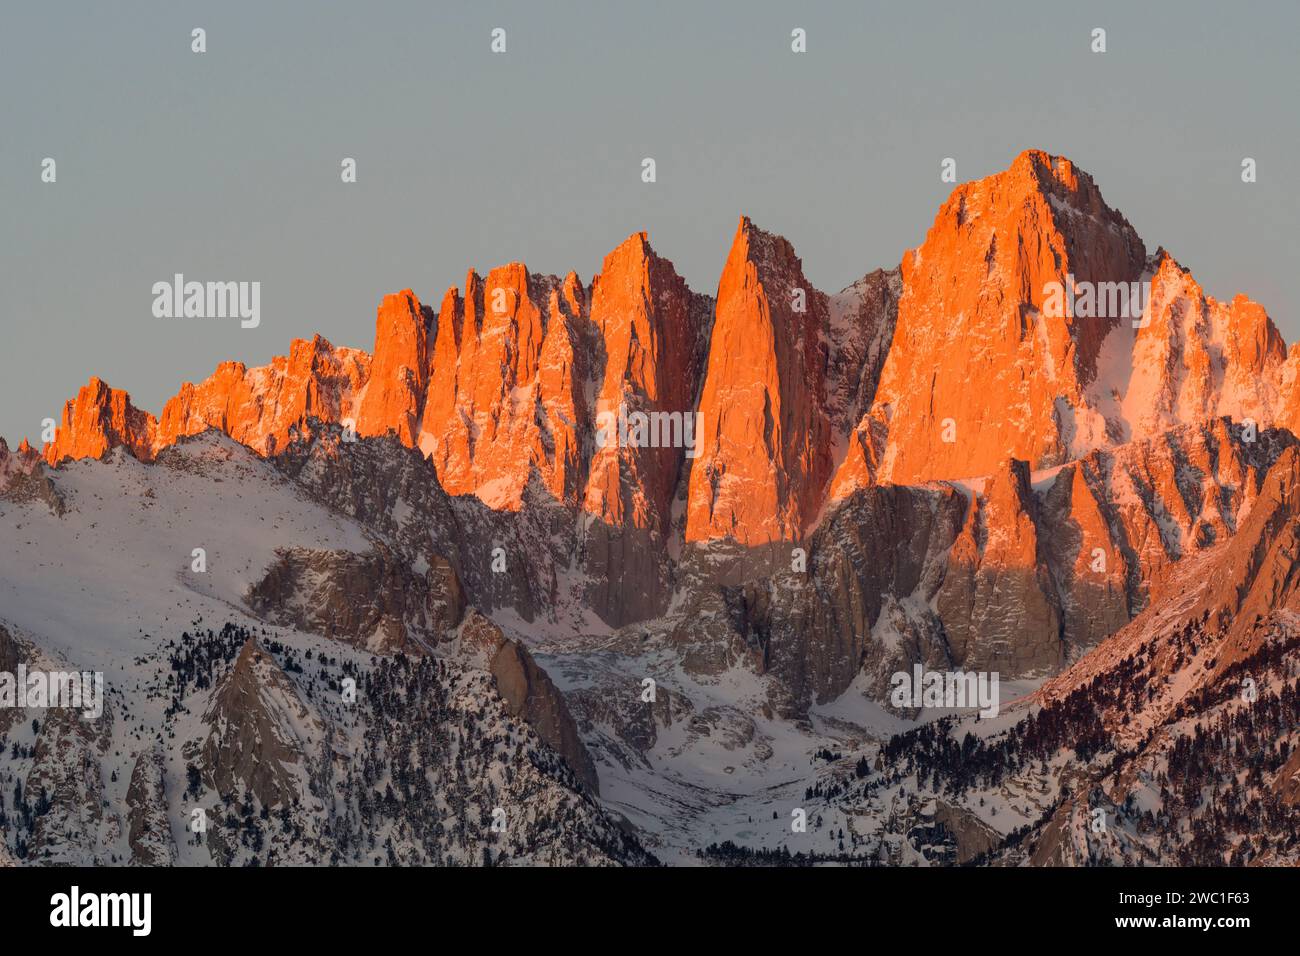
943 369
564 571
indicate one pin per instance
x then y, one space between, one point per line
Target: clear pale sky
225 165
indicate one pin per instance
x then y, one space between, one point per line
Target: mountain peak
399 372
649 327
766 454
768 249
975 321
637 241
260 732
943 368
1045 167
98 419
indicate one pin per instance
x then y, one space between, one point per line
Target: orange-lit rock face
504 398
765 449
399 372
1197 358
974 360
997 589
98 419
649 329
650 326
259 406
1289 391
797 399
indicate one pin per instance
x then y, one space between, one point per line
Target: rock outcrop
998 599
505 395
65 767
651 328
149 833
258 406
24 477
980 370
98 419
530 694
399 373
765 454
375 600
9 652
259 733
1196 358
862 321
22 461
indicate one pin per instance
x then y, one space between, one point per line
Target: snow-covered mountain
210 710
425 605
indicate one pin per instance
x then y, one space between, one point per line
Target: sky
225 165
